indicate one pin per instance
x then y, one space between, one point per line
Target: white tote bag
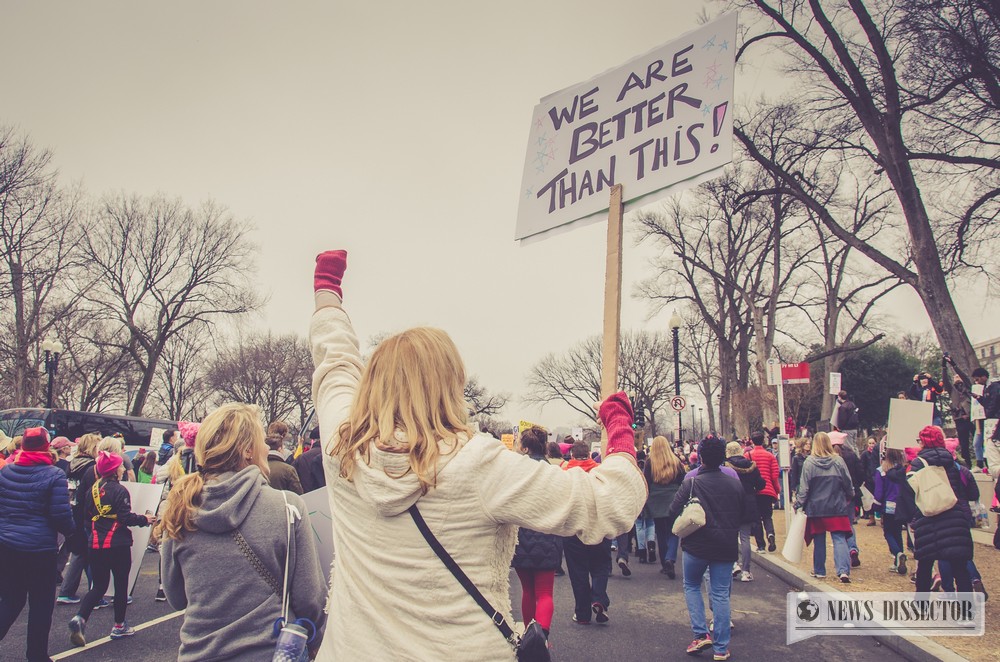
795 541
867 498
932 490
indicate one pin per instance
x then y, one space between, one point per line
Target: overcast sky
396 130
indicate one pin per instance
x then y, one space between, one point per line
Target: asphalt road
648 622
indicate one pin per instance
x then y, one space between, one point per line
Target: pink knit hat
108 463
189 432
951 443
837 438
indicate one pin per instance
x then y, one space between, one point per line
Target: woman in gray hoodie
225 546
826 493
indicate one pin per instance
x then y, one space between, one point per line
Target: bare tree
574 377
95 374
163 268
483 403
180 389
39 235
857 100
273 372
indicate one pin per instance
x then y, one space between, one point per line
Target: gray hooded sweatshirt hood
231 607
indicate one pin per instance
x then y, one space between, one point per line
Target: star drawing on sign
709 44
540 168
542 139
539 123
528 192
724 46
705 110
718 83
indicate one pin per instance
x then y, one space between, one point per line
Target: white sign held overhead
834 383
906 419
678 403
661 121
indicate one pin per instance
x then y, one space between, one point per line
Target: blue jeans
644 532
852 541
720 578
948 576
666 541
892 530
977 443
841 553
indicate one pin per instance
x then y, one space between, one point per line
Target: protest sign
508 440
527 425
145 498
906 419
661 121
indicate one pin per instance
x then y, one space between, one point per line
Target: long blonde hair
664 465
414 383
822 446
230 439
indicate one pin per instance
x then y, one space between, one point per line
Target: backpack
932 490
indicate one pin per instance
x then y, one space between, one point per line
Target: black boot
641 554
651 551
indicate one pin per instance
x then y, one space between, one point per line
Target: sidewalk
874 575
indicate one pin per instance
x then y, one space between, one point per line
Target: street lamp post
52 348
701 430
675 328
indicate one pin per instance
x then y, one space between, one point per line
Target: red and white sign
794 373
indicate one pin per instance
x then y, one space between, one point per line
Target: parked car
137 431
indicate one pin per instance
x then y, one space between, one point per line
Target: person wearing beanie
752 482
471 490
826 494
713 548
108 515
34 508
945 536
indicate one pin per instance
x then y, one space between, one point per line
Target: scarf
31 458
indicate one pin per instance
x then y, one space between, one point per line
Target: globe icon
808 611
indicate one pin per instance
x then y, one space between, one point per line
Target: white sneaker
737 570
746 576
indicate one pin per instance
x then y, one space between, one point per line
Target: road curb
915 649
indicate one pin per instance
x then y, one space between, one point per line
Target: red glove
330 268
616 414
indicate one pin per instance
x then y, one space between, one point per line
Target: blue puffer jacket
34 505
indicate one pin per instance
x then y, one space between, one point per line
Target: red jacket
586 465
768 466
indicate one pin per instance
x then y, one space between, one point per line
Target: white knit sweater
391 597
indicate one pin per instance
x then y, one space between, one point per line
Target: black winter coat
104 532
537 551
795 471
944 536
752 482
309 466
869 463
722 498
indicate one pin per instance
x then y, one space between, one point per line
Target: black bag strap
498 620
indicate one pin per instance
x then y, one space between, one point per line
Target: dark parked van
73 424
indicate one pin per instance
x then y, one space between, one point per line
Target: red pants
536 596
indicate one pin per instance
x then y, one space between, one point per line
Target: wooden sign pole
612 302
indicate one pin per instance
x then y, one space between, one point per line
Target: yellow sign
508 440
525 425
